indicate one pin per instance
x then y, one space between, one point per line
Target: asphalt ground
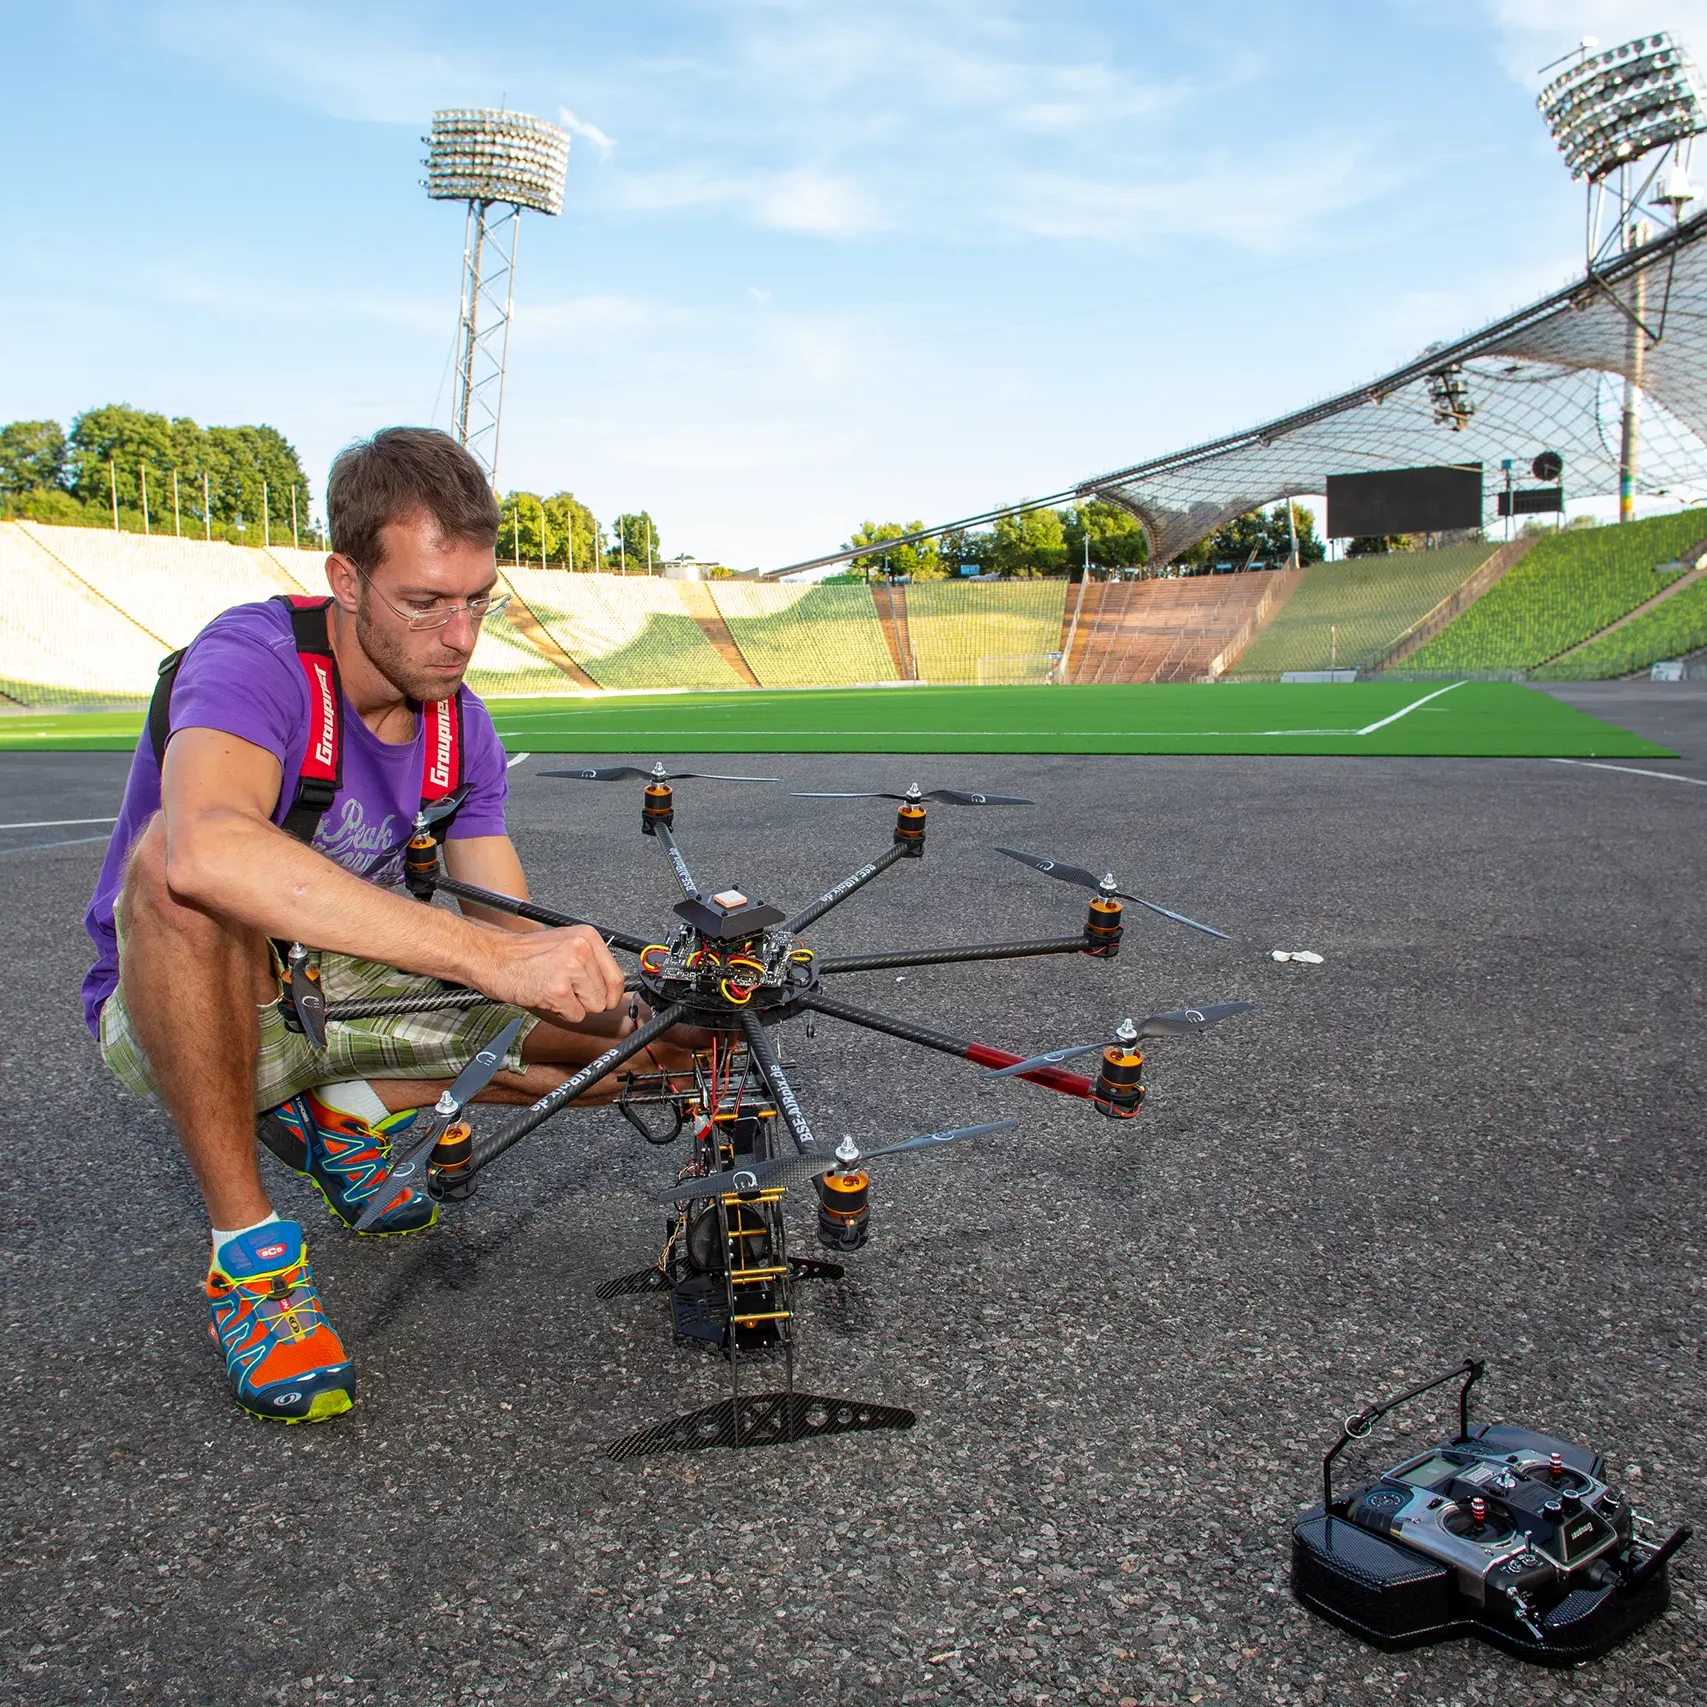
1474 1128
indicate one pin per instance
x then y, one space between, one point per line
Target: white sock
224 1235
354 1097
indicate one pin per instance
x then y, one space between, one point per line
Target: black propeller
428 818
411 1168
792 1170
1103 886
624 773
950 796
1177 1022
302 981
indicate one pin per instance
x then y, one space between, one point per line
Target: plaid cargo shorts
401 1046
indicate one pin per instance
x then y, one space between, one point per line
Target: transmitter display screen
1430 1471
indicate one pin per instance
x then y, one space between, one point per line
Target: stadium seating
306 568
956 626
1171 629
805 636
1350 613
625 631
1672 628
1572 585
61 644
507 663
170 588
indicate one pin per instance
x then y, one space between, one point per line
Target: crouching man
267 804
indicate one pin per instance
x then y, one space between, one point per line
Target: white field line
37 847
58 823
1631 770
511 763
1369 729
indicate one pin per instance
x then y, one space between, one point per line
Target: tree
966 549
538 530
634 544
1031 543
115 446
1259 538
1376 544
572 532
923 561
111 446
32 457
1116 537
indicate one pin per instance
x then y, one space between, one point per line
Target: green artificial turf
1408 719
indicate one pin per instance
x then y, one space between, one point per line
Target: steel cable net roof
1547 378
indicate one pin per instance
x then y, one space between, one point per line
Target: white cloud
1254 204
584 127
805 199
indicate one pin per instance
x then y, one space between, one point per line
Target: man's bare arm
489 862
224 854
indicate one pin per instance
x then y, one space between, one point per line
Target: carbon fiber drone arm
494 1144
677 863
1051 1078
788 1105
530 910
946 956
426 1002
834 897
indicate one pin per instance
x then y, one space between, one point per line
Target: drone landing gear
728 1272
654 1279
759 1419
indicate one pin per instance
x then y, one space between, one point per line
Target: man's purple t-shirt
241 675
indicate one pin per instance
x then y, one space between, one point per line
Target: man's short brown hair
402 472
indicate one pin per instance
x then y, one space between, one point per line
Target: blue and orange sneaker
346 1158
282 1359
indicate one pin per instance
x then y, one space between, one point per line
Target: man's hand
567 973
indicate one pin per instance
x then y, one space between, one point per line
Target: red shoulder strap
441 752
323 761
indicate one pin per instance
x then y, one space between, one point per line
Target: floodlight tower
1625 121
498 162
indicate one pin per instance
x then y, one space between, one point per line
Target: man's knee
147 902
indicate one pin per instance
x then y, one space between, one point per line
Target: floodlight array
1612 108
488 154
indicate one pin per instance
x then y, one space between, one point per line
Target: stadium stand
61 643
698 603
805 636
506 663
1174 629
1350 613
952 627
306 568
625 631
1568 588
1672 627
157 583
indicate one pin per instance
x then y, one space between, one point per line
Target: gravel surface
1475 1127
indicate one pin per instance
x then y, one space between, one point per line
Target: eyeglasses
438 615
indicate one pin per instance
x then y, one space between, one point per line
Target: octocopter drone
735 967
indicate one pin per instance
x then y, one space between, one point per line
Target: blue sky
818 262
